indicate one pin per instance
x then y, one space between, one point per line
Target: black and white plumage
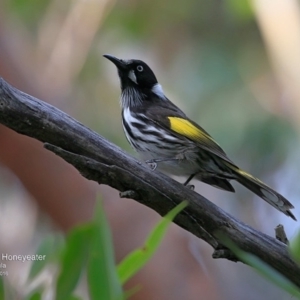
162 134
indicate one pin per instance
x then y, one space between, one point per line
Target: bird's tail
265 192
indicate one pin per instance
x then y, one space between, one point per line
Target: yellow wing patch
187 129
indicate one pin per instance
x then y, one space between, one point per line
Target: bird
167 140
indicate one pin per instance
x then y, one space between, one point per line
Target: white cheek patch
157 90
132 76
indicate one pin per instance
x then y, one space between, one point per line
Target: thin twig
281 235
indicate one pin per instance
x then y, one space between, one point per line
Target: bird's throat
131 97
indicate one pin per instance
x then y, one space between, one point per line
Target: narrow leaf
264 269
74 298
73 261
2 292
294 248
37 295
46 252
134 261
103 281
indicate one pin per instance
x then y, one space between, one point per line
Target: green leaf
264 269
134 261
294 248
103 281
36 295
128 294
74 298
242 10
2 292
73 261
49 249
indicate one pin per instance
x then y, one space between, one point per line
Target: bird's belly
173 164
180 159
185 162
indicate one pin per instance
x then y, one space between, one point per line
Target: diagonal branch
128 183
99 160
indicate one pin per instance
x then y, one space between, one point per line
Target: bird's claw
152 164
190 186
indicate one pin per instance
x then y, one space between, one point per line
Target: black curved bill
119 63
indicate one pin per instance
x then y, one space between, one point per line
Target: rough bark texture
101 161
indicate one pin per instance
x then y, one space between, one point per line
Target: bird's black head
138 82
134 73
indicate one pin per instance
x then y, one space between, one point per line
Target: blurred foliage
241 10
29 12
88 248
51 247
294 247
2 289
138 258
264 269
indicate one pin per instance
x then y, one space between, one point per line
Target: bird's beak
119 63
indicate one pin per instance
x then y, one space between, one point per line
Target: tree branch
99 160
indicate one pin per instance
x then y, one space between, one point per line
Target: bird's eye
140 68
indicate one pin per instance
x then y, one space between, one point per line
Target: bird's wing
173 120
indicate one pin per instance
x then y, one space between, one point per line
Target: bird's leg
152 163
190 186
189 179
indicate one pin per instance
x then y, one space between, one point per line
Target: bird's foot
190 186
151 163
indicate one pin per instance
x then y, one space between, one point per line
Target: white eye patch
132 76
